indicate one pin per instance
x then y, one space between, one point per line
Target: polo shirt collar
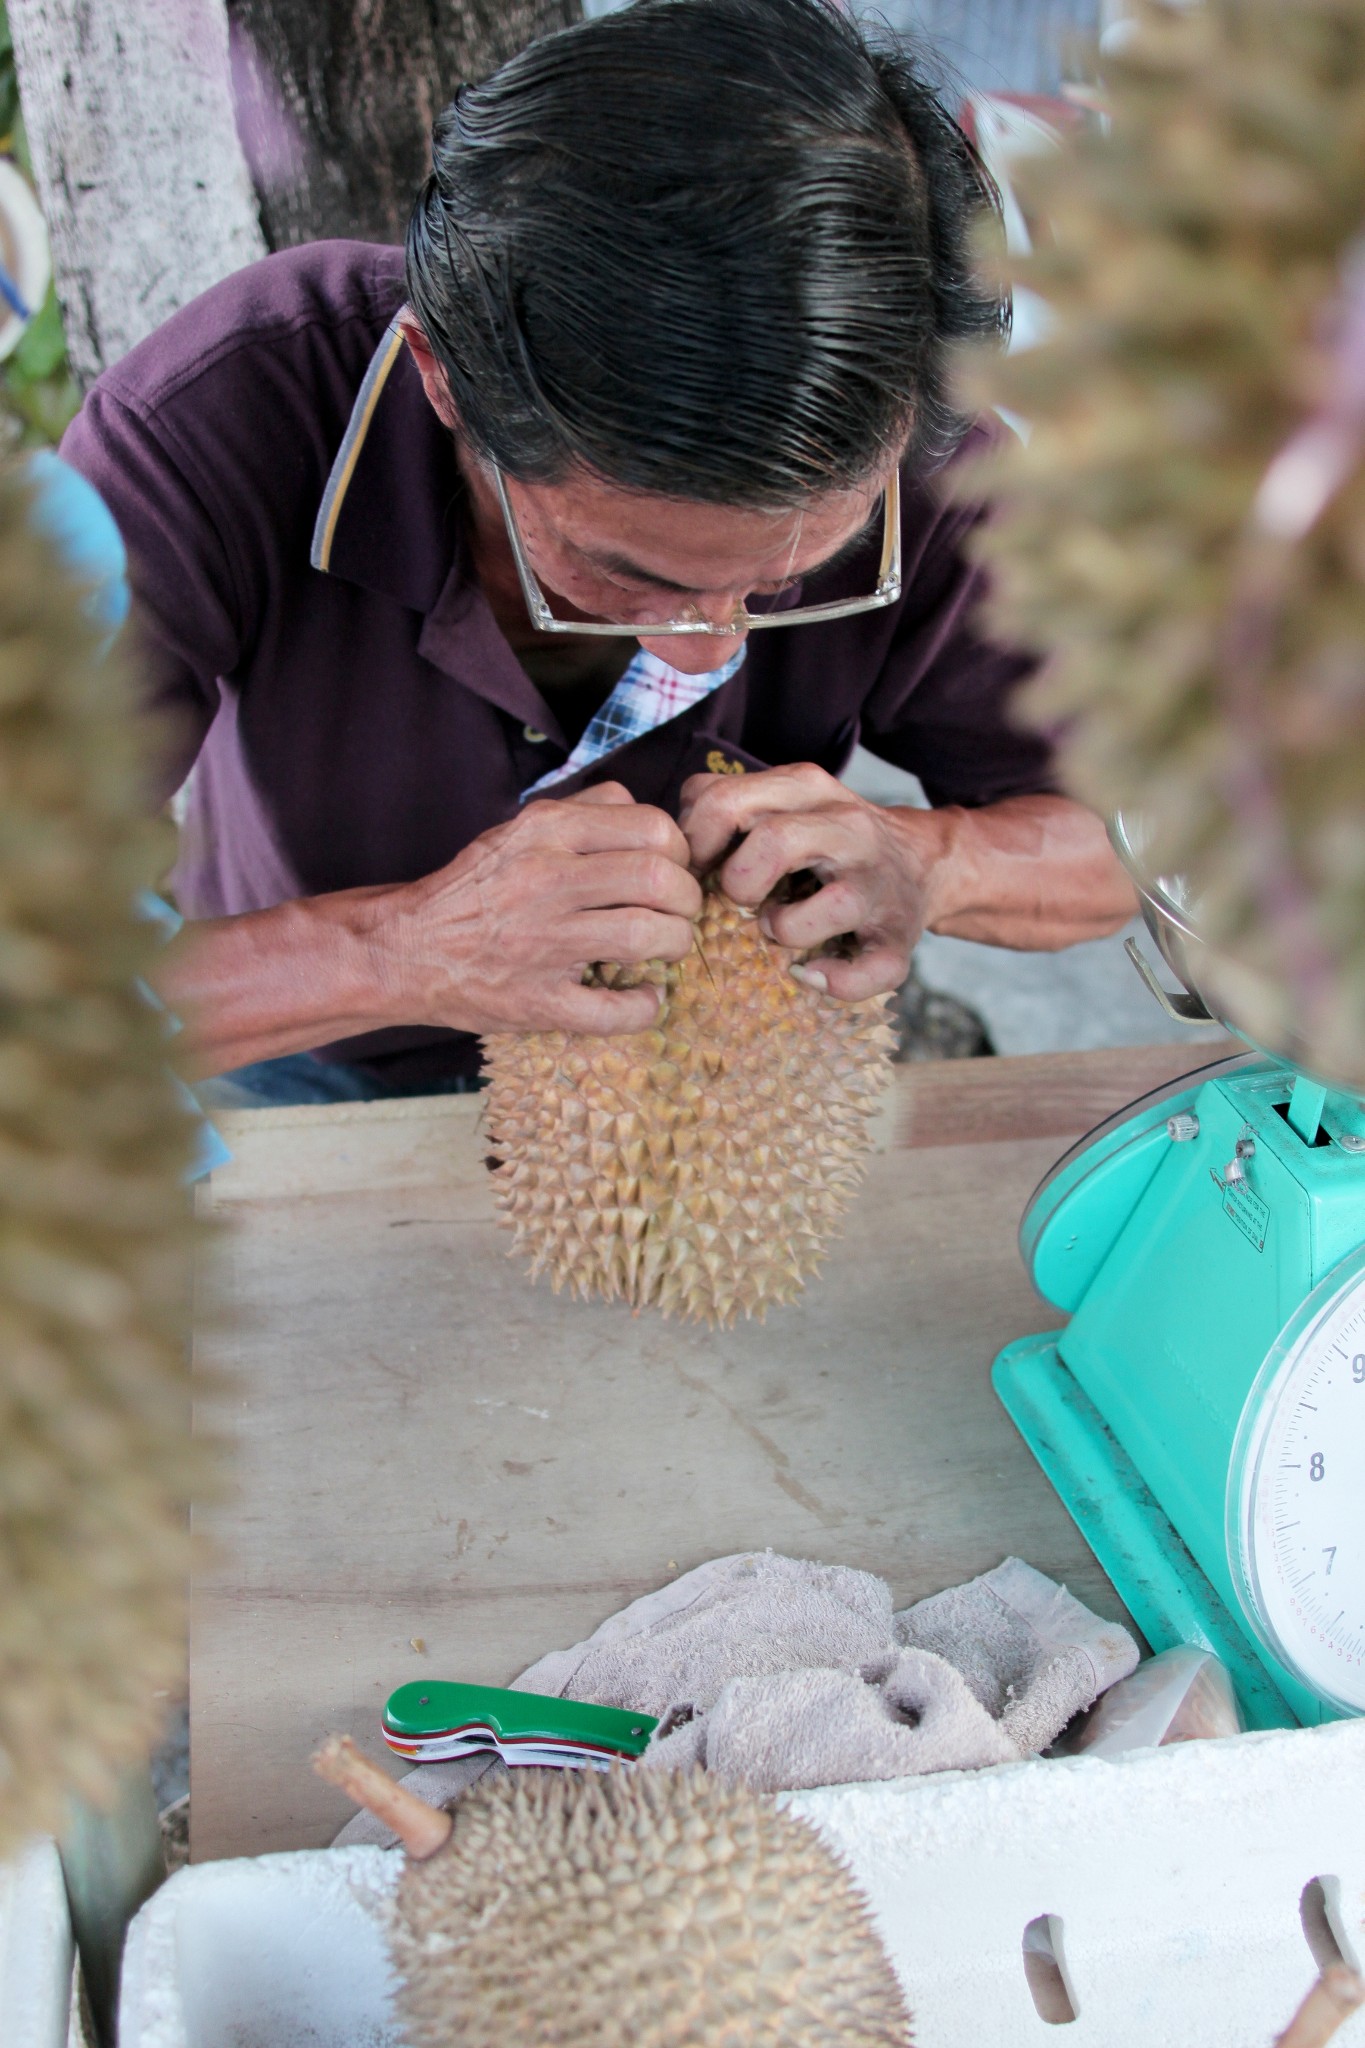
389 519
390 522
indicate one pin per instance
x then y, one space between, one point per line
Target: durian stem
1336 1995
422 1829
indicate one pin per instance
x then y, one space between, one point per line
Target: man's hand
497 941
500 939
875 880
1032 872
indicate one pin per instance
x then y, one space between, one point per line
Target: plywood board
428 1448
1040 1095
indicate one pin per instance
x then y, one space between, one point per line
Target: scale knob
1182 1127
1236 1168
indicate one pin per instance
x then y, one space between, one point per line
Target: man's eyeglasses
689 620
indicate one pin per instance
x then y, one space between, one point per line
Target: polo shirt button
537 739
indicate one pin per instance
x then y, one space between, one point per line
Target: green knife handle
422 1710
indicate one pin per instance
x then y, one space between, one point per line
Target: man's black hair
715 249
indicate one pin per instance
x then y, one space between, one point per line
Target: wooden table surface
427 1449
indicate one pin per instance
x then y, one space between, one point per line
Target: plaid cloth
649 693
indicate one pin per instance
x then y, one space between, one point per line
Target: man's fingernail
811 977
765 925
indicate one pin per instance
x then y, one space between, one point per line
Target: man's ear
429 370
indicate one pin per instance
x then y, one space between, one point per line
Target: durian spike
422 1829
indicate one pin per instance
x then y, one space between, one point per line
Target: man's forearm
272 982
1034 872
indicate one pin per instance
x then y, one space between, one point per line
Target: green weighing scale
1202 1414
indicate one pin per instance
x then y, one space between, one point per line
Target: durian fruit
1207 676
698 1167
645 1909
96 1464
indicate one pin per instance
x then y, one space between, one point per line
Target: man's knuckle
659 876
547 825
785 834
658 828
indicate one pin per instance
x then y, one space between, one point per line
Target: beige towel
786 1673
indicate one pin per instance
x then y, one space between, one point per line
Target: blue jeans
302 1077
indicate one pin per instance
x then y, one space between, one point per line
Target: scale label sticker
1247 1210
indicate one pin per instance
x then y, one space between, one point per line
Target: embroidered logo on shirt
717 764
649 694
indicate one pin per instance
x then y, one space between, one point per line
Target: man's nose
720 611
694 657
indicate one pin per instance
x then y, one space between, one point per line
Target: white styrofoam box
1171 1880
264 1952
35 1950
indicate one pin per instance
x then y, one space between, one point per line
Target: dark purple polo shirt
363 721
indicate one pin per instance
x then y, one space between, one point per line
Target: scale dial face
1296 1493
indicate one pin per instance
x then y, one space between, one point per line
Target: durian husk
1188 256
699 1167
646 1910
96 1465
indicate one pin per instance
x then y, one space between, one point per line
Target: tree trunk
335 100
128 107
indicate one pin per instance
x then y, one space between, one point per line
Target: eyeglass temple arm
891 530
531 592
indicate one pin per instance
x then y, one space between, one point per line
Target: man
666 357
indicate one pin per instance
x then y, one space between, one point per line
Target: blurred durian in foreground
649 1909
1205 660
701 1166
96 1465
